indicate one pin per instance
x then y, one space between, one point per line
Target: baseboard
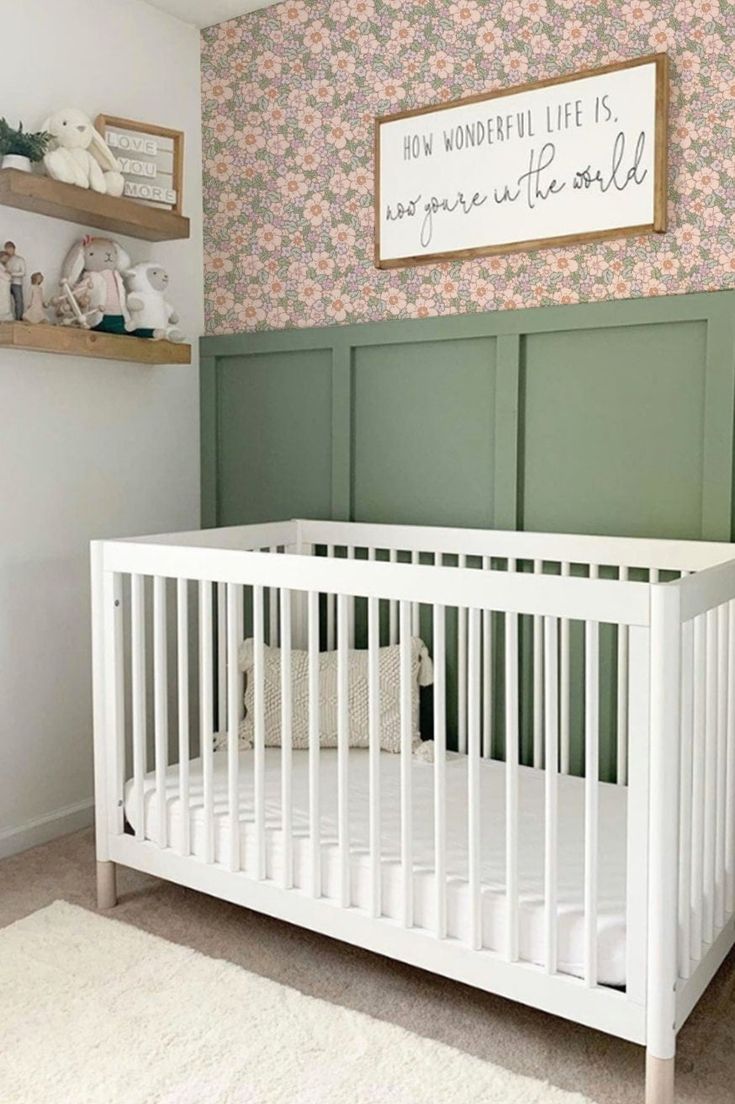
44 828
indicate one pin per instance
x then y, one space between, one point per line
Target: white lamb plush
152 316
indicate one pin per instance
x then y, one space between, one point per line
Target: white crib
504 862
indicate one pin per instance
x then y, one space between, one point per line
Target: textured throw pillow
357 667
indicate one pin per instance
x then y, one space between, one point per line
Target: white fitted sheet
612 851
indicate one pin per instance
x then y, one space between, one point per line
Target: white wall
88 448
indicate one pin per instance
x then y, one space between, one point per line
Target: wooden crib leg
659 1080
106 885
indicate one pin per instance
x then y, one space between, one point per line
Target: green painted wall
598 418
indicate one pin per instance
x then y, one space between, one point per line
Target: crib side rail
706 781
606 600
237 537
552 548
169 618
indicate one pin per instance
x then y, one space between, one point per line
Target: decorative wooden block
89 343
44 196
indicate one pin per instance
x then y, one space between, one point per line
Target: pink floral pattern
289 96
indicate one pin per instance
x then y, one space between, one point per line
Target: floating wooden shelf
31 192
88 343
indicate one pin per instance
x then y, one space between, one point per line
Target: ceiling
203 13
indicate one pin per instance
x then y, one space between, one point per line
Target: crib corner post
107 704
659 1080
106 885
663 871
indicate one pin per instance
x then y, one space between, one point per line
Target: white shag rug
94 1011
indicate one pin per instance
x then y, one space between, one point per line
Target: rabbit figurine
95 265
79 154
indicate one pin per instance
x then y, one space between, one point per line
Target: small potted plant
19 148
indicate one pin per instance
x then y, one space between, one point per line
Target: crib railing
517 626
706 837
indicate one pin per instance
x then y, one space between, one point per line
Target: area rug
94 1011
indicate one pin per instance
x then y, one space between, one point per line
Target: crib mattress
612 856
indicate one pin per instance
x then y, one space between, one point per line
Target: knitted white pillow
357 668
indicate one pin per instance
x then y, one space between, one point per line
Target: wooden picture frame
153 130
658 158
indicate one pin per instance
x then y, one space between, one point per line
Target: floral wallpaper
289 96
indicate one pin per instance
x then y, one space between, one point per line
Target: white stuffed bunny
79 154
152 316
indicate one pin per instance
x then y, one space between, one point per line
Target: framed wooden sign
151 160
570 159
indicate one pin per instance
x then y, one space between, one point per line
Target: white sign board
150 160
570 159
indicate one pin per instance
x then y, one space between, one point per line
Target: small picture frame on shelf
151 160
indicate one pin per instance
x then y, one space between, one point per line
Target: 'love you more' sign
564 160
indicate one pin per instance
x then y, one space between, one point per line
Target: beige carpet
96 1011
519 1039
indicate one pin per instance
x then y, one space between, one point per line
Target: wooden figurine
7 314
36 310
16 266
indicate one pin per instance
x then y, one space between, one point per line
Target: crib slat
314 796
221 591
511 783
685 797
473 777
721 769
234 697
259 731
374 754
343 751
487 675
591 795
393 606
710 780
286 739
273 611
698 772
551 788
182 685
415 607
538 681
160 704
406 764
637 827
730 771
462 673
440 748
206 691
138 690
331 601
621 773
350 607
565 687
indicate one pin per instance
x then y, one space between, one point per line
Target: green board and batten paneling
597 418
613 418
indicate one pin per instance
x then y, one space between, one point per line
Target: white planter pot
16 161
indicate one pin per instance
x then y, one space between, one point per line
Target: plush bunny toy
152 316
94 265
79 154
